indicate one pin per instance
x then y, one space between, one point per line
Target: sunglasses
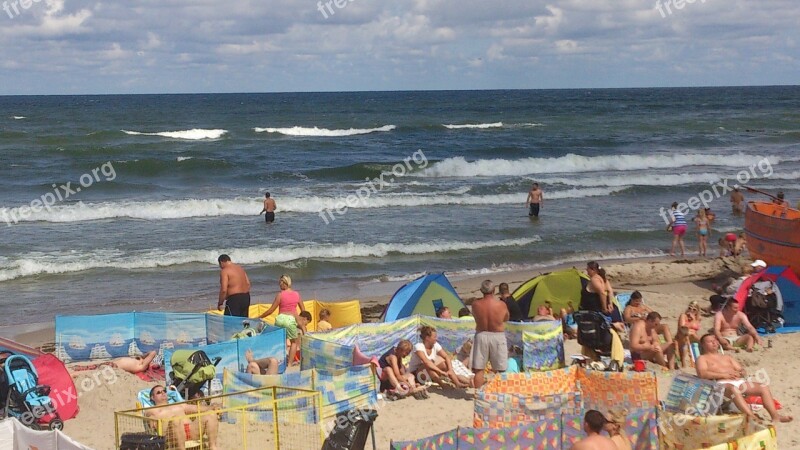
159 392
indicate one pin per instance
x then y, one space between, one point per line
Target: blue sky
130 46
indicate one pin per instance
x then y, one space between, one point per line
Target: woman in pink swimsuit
286 302
688 326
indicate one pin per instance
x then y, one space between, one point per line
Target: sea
124 202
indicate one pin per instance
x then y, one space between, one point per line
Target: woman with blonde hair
286 302
688 326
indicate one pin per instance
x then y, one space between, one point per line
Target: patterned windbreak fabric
342 390
680 432
542 343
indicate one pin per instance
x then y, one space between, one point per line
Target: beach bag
142 441
351 432
593 330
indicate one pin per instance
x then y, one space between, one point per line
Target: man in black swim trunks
269 209
535 200
234 288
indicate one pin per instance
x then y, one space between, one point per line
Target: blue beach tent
423 296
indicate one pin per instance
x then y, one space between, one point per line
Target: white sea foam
58 263
503 268
645 179
184 158
19 117
193 134
571 163
179 209
304 131
481 126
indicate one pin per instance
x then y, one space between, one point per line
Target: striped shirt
678 218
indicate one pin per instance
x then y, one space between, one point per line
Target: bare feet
785 419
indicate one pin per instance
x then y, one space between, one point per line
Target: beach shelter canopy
559 288
787 289
423 296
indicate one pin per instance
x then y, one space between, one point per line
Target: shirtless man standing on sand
489 344
535 200
726 326
645 341
269 209
180 429
234 287
711 365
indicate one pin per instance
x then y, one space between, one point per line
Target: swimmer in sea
535 200
269 209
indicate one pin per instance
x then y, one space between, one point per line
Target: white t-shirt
415 362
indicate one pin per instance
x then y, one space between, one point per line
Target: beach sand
667 285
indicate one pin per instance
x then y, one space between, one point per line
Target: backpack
593 330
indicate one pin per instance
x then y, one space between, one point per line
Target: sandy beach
667 285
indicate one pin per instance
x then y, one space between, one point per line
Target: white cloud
244 45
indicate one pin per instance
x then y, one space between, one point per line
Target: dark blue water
168 182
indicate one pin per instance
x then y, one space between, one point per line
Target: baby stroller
26 399
594 333
191 370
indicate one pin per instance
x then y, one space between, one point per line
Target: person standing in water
269 209
234 288
737 202
535 200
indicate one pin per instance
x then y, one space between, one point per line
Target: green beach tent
560 288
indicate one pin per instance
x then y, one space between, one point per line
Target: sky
171 46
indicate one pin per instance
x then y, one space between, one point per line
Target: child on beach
323 324
702 231
395 377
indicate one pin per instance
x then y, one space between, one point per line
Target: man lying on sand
263 366
134 365
180 429
646 344
726 326
712 365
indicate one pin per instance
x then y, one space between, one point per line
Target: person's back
238 283
490 314
289 301
595 442
593 423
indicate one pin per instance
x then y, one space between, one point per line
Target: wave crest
193 135
571 163
480 126
29 265
324 132
181 209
